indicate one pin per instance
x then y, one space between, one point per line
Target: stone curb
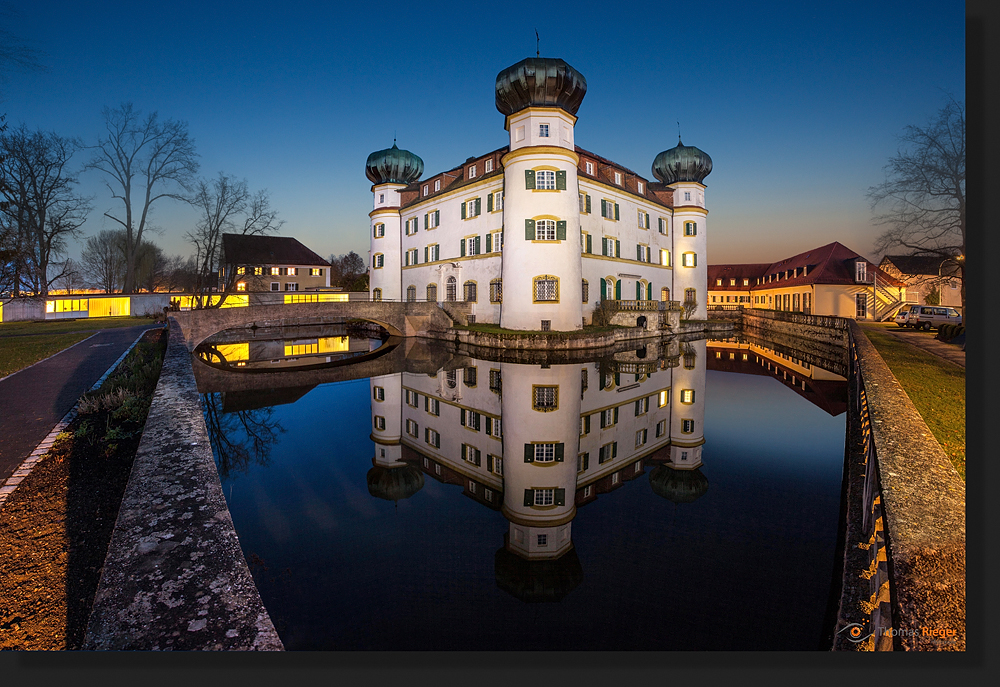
42 450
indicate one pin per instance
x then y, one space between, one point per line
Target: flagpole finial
538 52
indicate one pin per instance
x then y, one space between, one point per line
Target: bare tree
923 195
40 202
227 206
103 259
145 160
349 272
150 267
71 278
180 274
15 54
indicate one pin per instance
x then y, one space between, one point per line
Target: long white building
535 234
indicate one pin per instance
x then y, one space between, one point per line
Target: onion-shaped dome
682 163
393 166
393 484
678 486
534 581
540 82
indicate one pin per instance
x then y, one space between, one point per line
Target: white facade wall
686 277
387 278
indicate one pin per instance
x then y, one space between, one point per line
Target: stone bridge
426 320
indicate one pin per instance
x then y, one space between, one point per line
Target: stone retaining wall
822 328
903 584
175 577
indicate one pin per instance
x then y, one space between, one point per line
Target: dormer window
860 271
543 130
590 168
746 282
640 186
718 282
425 189
437 185
732 282
472 172
489 166
618 178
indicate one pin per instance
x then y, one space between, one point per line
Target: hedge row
947 332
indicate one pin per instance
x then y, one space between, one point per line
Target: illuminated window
689 259
275 271
664 398
665 261
315 271
687 395
258 271
241 286
545 398
241 270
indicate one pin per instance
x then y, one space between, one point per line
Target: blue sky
798 104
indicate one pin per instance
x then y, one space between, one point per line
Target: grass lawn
936 387
18 352
25 343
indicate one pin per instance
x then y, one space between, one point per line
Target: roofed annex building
535 234
829 280
272 263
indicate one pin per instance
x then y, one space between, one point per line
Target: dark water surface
729 545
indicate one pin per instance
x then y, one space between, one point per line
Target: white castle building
579 228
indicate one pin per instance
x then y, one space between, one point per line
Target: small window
687 195
718 282
379 422
664 398
687 426
590 168
687 395
241 286
472 172
543 130
545 398
690 228
437 185
488 166
412 429
661 428
426 189
378 393
378 260
275 286
640 185
618 178
542 539
291 286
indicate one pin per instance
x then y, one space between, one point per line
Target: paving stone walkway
35 400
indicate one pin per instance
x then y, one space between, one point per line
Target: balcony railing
645 306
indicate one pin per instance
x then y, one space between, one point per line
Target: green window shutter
463 210
647 219
604 208
604 245
529 229
618 290
437 218
560 452
529 179
479 206
529 453
617 382
604 297
694 259
427 217
614 450
638 291
477 246
561 180
588 202
617 216
465 452
426 259
649 291
489 202
638 252
529 497
461 416
560 497
618 248
462 249
586 424
489 243
589 248
561 229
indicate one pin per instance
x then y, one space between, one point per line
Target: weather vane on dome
678 133
538 52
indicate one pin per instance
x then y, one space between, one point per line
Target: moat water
682 496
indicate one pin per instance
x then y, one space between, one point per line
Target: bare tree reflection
241 438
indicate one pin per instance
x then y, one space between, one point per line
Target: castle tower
542 275
541 439
683 169
389 171
687 413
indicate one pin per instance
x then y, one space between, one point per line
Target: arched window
586 291
432 293
376 294
411 293
469 291
664 294
546 289
451 289
545 230
496 290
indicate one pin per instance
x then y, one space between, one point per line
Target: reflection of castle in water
274 351
537 442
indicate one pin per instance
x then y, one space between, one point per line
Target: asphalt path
34 399
925 340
